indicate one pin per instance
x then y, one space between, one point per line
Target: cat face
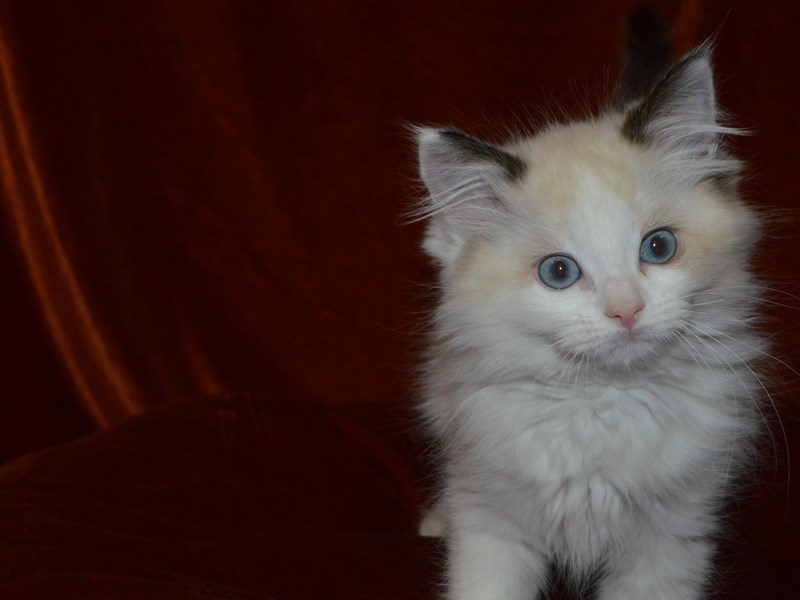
591 245
592 258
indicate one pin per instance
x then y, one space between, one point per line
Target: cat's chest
625 437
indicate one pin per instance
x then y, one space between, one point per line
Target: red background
207 196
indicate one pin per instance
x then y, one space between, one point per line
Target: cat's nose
623 302
627 314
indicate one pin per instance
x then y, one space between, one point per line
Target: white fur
565 437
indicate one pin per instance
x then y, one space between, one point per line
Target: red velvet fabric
206 196
219 498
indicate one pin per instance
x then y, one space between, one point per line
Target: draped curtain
204 196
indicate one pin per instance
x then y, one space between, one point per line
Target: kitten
591 381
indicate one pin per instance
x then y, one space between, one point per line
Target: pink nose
627 315
623 302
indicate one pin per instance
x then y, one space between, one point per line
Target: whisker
744 386
727 296
709 302
715 333
759 288
732 444
769 397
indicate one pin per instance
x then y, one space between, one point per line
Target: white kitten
590 377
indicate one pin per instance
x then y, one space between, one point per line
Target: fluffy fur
600 426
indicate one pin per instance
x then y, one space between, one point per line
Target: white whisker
768 396
716 332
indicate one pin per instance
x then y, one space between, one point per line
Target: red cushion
224 497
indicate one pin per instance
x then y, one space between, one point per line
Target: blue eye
658 247
559 272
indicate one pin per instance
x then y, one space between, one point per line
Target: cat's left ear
680 114
465 178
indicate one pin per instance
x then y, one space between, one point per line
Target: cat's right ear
465 178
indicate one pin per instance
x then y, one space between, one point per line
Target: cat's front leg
487 566
660 568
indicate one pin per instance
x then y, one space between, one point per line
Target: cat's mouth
627 349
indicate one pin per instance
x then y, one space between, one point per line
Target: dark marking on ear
513 167
669 91
634 127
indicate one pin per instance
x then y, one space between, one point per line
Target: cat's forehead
583 162
585 192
